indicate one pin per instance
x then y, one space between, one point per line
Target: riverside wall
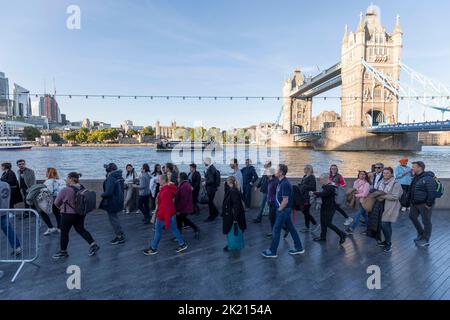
443 203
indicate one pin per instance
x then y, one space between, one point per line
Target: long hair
310 169
52 173
367 175
129 173
232 180
337 170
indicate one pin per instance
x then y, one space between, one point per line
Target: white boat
13 143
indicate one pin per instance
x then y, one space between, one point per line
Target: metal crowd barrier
19 237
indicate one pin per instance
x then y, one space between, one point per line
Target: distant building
98 125
165 132
128 125
13 128
38 122
21 106
64 119
48 107
4 96
35 108
435 138
86 123
325 119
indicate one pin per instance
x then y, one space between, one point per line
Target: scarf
386 186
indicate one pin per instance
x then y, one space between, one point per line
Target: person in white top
130 189
54 184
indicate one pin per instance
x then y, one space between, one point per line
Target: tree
56 138
148 131
131 132
31 133
71 136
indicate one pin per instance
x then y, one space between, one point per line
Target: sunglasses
378 168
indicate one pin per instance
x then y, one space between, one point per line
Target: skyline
182 54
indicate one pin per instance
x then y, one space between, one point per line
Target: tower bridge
369 77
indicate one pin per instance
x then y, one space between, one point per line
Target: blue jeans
158 232
359 213
9 231
263 205
284 219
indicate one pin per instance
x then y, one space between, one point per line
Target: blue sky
197 47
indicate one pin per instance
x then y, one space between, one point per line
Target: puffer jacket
423 189
166 204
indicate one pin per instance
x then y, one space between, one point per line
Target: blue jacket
249 175
403 175
113 192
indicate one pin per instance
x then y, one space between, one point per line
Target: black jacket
233 210
113 193
249 175
10 178
327 194
196 180
210 178
423 189
263 184
307 184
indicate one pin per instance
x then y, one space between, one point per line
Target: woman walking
54 186
392 193
65 201
361 188
234 223
184 205
144 193
338 181
10 178
130 190
308 184
165 216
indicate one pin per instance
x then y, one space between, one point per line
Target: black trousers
57 214
182 219
144 206
77 221
213 211
326 221
308 217
341 211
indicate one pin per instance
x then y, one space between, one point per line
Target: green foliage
31 133
83 135
56 138
148 131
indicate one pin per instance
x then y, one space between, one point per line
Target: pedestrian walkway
204 271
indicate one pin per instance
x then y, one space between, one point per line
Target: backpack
439 188
85 201
217 178
298 198
341 196
33 192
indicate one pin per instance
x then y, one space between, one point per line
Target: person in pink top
362 187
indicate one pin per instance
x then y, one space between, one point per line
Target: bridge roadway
326 80
204 271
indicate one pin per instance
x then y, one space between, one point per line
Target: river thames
89 161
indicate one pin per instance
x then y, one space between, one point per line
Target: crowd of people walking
167 198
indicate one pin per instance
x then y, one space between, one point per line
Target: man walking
27 178
422 198
249 177
112 199
236 173
195 179
212 181
263 186
284 204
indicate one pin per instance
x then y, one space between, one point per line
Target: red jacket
166 205
183 198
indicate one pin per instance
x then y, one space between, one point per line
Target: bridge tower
297 113
365 102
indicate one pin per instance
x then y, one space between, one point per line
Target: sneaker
388 248
18 252
349 231
319 239
381 243
268 254
181 248
269 235
305 230
404 209
60 255
419 238
348 222
295 252
118 240
93 250
257 220
423 243
343 239
150 252
50 231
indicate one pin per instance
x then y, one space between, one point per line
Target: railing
20 240
412 127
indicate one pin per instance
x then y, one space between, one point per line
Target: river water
89 161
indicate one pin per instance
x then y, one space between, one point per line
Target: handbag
235 238
203 196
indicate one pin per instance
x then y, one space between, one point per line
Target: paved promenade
204 271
